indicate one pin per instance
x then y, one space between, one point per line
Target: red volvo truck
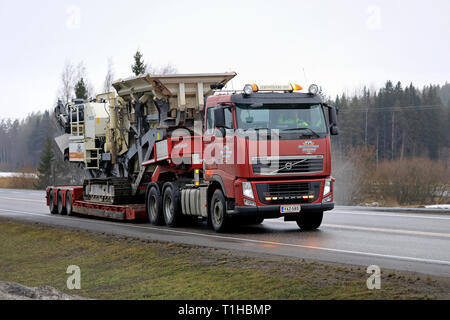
262 153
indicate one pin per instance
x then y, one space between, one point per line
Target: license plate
290 209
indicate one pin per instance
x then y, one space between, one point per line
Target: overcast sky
341 45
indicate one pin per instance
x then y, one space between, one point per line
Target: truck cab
268 152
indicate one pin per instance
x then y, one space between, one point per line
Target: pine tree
45 166
81 90
139 66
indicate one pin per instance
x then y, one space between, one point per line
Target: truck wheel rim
153 206
52 202
68 206
60 205
168 208
217 212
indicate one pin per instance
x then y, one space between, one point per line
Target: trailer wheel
61 208
51 202
310 220
218 208
154 207
69 207
171 205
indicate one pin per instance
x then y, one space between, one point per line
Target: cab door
219 149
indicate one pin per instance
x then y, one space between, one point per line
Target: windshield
282 117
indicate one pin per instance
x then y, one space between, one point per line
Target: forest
393 146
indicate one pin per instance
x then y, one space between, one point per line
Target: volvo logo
288 166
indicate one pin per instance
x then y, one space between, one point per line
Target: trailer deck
74 195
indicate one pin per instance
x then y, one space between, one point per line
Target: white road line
402 231
369 254
27 200
400 215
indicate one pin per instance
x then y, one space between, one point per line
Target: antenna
304 74
232 82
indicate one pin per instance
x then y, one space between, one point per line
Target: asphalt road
400 241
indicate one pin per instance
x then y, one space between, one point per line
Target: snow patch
17 175
439 206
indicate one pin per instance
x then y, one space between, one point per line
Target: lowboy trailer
172 150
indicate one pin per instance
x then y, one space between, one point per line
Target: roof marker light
296 87
251 88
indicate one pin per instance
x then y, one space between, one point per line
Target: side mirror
334 131
333 116
219 118
333 121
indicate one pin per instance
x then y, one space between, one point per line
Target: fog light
249 203
327 199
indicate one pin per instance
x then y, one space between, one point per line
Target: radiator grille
288 166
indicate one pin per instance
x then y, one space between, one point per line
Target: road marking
420 233
401 215
401 231
360 253
28 200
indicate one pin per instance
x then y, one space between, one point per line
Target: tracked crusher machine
113 135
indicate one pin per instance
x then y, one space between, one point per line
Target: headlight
327 187
247 190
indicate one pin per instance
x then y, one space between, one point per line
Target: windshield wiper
257 129
301 129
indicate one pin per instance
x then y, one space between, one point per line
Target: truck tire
51 202
310 220
171 205
61 207
154 207
218 212
69 207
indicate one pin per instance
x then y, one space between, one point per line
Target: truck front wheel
154 207
310 220
171 205
218 209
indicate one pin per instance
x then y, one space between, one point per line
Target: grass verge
114 267
18 183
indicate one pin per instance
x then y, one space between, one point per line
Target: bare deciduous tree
66 91
107 85
81 73
162 70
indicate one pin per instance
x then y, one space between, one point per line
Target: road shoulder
114 267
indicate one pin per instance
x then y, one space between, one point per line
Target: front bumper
268 212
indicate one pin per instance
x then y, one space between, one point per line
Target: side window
210 121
